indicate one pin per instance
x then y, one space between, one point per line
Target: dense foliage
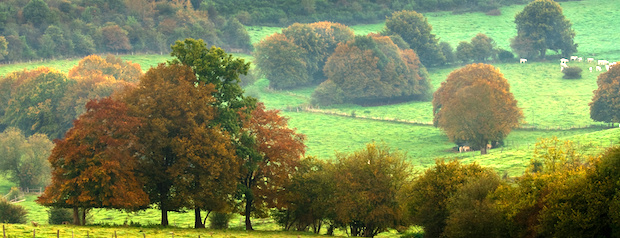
416 31
296 56
11 213
474 106
605 105
56 29
372 70
93 166
47 101
24 159
542 26
283 12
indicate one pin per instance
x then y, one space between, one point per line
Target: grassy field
549 103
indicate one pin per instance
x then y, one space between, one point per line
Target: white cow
590 60
607 67
564 65
603 62
598 68
573 58
580 59
590 69
563 60
522 61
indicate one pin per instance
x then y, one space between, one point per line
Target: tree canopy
24 159
373 70
93 166
416 31
272 152
474 106
296 57
541 26
605 105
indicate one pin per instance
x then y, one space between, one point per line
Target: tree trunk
198 219
248 212
76 216
83 216
164 216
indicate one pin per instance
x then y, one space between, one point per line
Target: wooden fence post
57 233
3 232
87 234
34 233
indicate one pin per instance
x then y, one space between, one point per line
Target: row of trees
55 29
284 12
184 138
562 193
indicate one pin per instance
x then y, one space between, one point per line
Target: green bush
11 213
57 216
572 73
219 220
505 56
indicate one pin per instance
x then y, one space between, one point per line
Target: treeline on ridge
285 12
36 29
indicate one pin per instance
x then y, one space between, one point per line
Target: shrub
572 73
219 220
57 216
505 56
494 12
327 93
11 213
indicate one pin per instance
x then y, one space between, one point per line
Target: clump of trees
372 70
46 101
38 29
296 56
541 26
604 106
481 49
11 213
474 106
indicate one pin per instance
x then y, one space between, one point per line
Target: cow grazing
522 61
573 58
598 68
580 59
603 62
464 149
563 60
489 146
590 69
590 60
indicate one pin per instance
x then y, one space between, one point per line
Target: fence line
318 110
34 233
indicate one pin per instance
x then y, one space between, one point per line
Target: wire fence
39 232
318 110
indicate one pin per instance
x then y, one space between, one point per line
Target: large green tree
475 106
94 165
541 26
605 105
416 31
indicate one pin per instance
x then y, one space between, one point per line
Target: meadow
552 106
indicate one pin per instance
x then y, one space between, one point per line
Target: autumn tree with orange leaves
605 105
271 153
93 166
110 66
187 161
475 106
